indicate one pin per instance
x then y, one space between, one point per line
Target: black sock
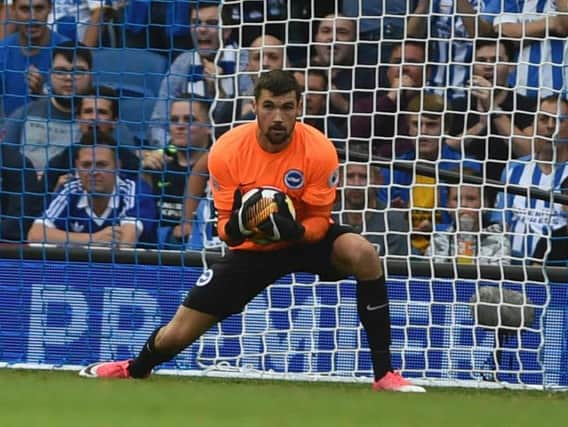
148 357
373 309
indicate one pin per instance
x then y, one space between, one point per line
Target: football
266 205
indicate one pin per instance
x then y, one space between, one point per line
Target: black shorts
228 286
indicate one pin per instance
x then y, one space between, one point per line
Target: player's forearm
316 228
221 224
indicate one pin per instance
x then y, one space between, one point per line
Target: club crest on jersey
294 179
333 179
205 278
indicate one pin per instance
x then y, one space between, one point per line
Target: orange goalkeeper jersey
306 170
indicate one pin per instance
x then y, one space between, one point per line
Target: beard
278 138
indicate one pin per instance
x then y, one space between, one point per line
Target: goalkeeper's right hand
235 228
282 225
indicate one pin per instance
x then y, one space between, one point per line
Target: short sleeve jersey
306 170
132 202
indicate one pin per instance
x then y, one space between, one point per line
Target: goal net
411 85
450 134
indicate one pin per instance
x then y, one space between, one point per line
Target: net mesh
471 110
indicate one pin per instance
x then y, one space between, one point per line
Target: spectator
20 201
495 111
195 71
334 47
390 25
265 53
45 127
379 20
6 27
442 22
190 132
427 121
554 248
98 207
97 109
25 56
361 209
315 85
97 25
527 219
334 41
541 28
470 237
73 18
405 75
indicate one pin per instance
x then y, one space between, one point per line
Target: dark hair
95 138
418 43
103 92
190 97
554 97
507 45
279 82
318 72
311 72
333 17
72 50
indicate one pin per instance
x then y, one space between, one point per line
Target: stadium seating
133 72
135 112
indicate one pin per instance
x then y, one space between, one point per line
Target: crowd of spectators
459 87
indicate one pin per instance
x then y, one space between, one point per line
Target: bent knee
356 255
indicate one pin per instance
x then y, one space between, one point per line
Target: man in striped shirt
196 70
98 207
443 23
541 27
529 219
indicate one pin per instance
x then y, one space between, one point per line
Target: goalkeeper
301 163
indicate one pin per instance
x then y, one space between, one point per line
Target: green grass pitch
46 399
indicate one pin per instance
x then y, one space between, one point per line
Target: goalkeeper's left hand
281 225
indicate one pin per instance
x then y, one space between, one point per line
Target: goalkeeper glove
281 225
235 228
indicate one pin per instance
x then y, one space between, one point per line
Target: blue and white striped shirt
529 219
451 59
539 63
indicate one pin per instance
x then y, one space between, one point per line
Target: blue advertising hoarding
73 313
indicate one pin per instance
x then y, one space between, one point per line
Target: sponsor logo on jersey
205 278
294 179
333 179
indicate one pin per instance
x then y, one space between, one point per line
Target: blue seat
132 72
136 112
